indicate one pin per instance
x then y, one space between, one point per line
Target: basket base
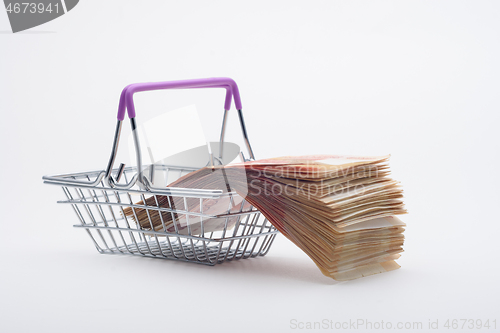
208 253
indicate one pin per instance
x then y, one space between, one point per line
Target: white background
416 79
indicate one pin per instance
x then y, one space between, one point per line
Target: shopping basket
100 199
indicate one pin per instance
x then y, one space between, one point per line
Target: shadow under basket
180 231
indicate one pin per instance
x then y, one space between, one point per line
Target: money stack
340 210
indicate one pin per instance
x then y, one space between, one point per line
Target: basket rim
68 180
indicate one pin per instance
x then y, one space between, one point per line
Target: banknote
340 210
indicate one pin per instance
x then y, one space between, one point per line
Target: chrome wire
100 210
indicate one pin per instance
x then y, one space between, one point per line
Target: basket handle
127 95
127 104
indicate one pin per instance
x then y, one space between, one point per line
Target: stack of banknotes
340 210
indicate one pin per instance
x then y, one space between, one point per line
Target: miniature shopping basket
100 199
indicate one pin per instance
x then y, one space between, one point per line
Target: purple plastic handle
229 94
127 95
227 102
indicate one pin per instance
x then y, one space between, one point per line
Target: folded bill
340 210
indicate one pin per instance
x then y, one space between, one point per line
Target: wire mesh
142 223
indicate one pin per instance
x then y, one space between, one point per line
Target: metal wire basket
108 202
